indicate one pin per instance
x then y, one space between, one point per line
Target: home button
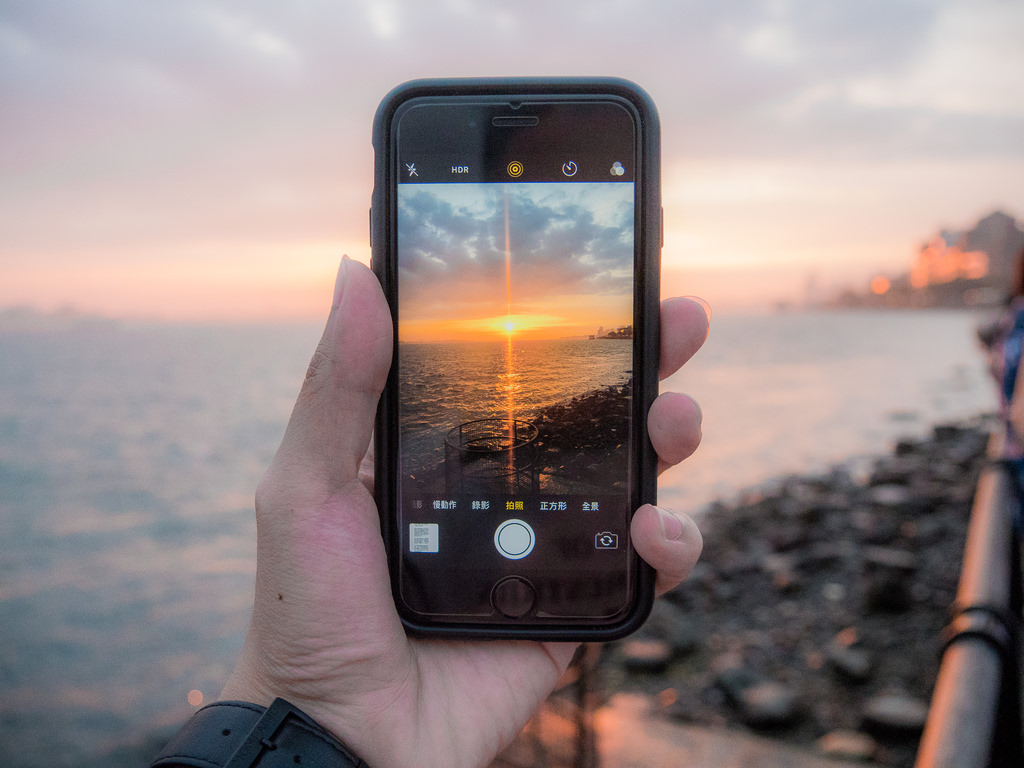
513 597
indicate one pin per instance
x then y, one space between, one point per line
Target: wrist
344 708
248 684
241 734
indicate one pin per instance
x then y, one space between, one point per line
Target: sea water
802 392
129 456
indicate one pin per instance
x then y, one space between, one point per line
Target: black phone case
646 317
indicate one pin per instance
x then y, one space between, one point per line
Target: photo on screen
515 340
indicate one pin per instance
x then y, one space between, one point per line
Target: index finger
684 327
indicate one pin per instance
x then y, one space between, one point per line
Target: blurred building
971 268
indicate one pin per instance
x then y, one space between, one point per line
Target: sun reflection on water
509 326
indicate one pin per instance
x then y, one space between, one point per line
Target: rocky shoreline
814 616
816 612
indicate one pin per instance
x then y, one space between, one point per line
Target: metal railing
975 715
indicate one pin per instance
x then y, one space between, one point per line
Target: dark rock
935 492
969 448
674 626
853 746
891 495
681 704
685 638
895 714
760 703
769 705
734 564
849 660
887 573
734 680
714 697
783 572
905 448
833 591
895 472
889 558
800 511
908 529
701 575
787 536
786 582
948 432
647 656
886 593
920 593
724 591
875 528
951 472
826 554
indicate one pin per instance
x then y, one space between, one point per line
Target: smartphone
516 231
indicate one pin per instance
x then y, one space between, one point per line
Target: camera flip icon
606 540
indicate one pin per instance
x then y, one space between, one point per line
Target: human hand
325 634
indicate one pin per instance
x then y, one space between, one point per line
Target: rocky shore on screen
583 441
816 612
581 444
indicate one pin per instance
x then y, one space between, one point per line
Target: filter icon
617 169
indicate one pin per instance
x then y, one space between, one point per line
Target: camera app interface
515 365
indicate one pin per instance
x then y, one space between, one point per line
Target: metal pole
586 692
975 714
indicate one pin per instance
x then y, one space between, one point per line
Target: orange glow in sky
169 163
522 327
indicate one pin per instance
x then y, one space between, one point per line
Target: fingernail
671 526
339 281
704 305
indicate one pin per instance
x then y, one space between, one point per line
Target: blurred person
1004 340
327 675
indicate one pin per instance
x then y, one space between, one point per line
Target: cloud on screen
565 240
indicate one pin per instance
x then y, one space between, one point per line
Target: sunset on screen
564 271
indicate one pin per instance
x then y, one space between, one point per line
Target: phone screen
515 234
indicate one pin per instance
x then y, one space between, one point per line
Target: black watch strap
237 734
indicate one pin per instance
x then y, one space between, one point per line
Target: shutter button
514 539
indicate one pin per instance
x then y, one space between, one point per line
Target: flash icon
411 168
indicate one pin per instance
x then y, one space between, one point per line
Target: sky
564 270
212 161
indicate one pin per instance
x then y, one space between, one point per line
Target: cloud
197 125
972 64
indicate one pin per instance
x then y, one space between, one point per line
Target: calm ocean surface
128 458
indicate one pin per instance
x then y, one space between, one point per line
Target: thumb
330 427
